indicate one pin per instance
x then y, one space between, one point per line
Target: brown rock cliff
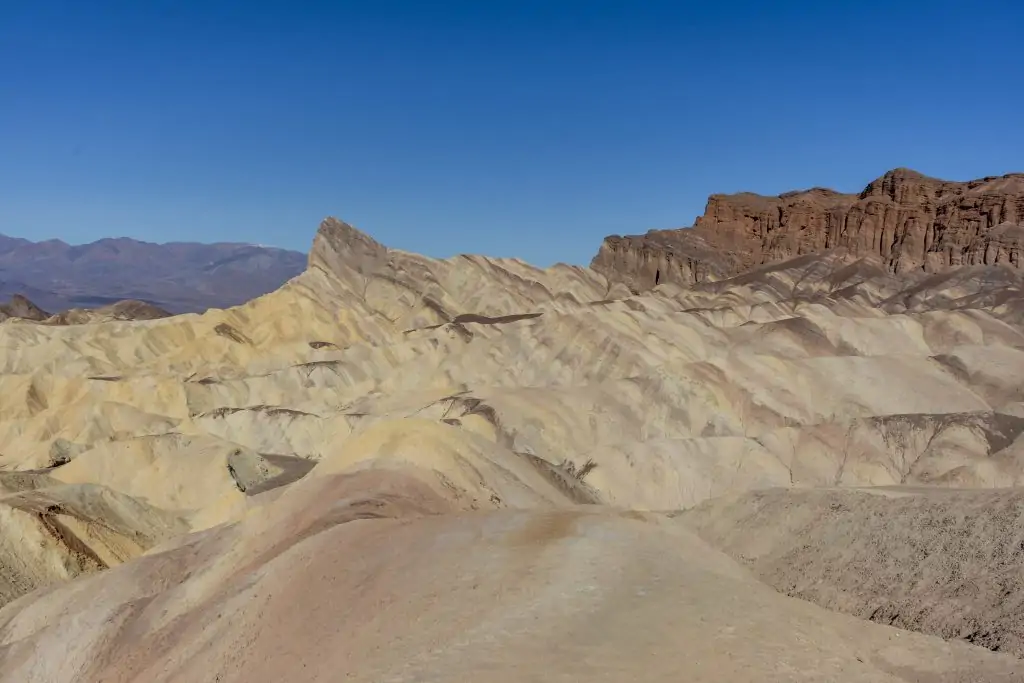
913 222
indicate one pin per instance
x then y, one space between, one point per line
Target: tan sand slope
496 397
50 533
370 577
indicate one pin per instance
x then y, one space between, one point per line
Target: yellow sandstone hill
397 468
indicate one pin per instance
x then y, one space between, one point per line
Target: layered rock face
910 221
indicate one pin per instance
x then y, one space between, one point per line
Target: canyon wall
912 222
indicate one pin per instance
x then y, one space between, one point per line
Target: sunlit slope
496 397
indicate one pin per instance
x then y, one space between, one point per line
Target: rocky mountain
180 277
912 222
405 468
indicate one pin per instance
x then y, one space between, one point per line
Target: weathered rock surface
913 223
943 561
21 309
121 310
374 576
404 468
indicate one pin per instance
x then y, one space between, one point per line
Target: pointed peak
334 228
21 307
339 246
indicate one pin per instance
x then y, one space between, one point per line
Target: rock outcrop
122 310
912 222
20 307
340 249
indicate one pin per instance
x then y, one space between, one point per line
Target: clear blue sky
512 128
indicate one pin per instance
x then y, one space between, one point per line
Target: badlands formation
396 468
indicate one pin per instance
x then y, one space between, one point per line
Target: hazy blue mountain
178 276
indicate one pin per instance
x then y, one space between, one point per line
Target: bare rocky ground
947 562
395 468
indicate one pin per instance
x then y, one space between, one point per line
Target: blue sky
510 128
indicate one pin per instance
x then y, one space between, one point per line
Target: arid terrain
181 277
795 459
909 221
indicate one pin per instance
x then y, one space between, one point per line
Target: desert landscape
785 444
178 277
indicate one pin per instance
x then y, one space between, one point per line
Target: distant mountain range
180 277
